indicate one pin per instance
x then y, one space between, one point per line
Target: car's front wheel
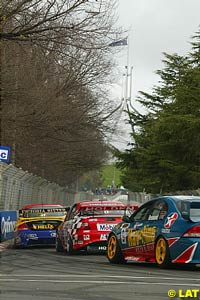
162 253
114 253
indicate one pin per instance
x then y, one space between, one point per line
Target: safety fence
19 188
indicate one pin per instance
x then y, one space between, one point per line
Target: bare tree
78 23
55 59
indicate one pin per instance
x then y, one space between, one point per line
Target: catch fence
19 188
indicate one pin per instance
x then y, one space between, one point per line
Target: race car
87 225
37 224
165 230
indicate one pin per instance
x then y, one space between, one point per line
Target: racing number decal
124 233
86 237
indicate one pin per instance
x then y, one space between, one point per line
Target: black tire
17 246
70 250
59 246
162 253
114 253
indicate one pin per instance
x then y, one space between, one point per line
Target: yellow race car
37 224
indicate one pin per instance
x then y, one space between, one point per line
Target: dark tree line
55 64
165 155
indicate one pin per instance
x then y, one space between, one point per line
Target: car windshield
43 212
97 212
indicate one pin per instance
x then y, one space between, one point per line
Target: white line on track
99 276
99 282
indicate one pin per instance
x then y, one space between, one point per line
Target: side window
154 215
143 213
159 210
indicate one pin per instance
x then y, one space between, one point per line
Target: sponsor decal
86 237
105 227
53 234
165 230
43 210
144 248
7 224
43 226
142 236
32 236
134 258
104 248
171 218
103 237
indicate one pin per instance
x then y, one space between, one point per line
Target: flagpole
127 61
127 75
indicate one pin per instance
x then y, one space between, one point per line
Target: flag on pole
122 42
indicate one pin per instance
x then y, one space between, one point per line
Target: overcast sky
155 26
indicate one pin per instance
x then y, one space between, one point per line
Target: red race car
87 225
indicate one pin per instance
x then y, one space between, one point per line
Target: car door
142 229
68 224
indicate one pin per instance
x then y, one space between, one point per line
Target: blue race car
165 230
37 224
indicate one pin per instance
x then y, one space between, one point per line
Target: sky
154 27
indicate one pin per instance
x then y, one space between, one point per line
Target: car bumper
92 241
30 238
186 250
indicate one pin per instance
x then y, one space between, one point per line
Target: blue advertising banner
5 154
7 224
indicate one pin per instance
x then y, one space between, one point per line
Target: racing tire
70 250
59 246
114 253
162 254
17 246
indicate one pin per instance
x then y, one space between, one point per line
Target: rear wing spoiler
43 210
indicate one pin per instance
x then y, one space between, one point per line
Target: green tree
165 155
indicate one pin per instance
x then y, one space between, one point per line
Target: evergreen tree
165 156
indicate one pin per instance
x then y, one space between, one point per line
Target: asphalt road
43 274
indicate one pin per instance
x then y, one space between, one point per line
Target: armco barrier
7 224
